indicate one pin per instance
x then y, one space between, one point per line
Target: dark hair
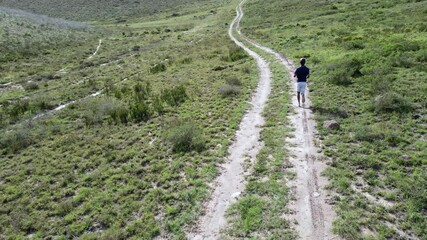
302 61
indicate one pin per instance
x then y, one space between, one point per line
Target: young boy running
302 73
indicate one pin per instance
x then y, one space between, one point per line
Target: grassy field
149 118
369 72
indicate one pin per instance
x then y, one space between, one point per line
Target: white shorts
301 87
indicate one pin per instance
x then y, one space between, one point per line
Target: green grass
108 167
368 73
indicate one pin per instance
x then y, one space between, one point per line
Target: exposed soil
231 181
97 49
312 214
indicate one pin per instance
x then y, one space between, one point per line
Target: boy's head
302 61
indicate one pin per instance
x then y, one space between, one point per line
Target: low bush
96 110
403 60
391 102
340 77
381 84
369 133
158 105
158 68
186 60
342 72
42 103
140 112
185 136
18 108
421 56
233 81
236 53
120 115
31 86
174 96
354 45
142 91
17 139
228 90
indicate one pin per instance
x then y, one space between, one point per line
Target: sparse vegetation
185 135
260 210
368 70
108 164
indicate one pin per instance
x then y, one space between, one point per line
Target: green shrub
340 77
342 72
158 68
65 207
120 115
401 45
96 110
233 81
42 103
17 139
381 84
368 133
174 96
141 91
421 56
158 105
186 60
17 109
391 102
185 136
140 112
31 86
229 90
354 45
236 53
402 60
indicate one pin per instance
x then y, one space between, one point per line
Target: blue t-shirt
302 73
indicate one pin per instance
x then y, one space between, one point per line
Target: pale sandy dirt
313 215
97 49
247 143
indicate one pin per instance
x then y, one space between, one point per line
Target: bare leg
298 99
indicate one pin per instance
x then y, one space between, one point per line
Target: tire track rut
247 143
314 216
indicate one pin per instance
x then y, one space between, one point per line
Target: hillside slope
82 10
24 34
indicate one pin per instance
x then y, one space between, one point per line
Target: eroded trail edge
247 143
313 214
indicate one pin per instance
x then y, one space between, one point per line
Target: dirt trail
231 182
97 49
312 212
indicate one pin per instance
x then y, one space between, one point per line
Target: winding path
247 143
313 215
97 49
312 212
